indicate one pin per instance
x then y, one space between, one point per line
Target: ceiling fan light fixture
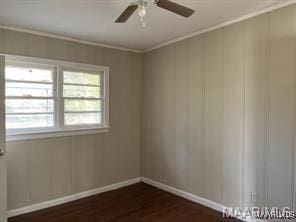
142 11
141 5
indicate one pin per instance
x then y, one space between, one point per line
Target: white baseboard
63 200
189 196
186 195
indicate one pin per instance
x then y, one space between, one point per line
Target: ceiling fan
142 4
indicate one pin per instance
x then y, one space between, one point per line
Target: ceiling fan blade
175 8
126 13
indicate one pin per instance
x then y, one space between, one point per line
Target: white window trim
47 132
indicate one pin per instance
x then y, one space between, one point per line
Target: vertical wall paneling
126 115
213 115
235 111
168 114
156 120
196 115
40 163
83 163
61 166
232 114
256 44
281 107
136 135
181 115
146 117
100 177
17 165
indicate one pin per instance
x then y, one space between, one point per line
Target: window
54 98
82 98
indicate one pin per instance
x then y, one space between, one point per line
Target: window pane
83 118
28 74
82 91
29 121
28 89
72 105
29 105
81 78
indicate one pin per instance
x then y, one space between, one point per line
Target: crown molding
34 32
224 24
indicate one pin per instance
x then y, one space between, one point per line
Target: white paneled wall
219 112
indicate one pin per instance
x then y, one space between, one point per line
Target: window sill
43 135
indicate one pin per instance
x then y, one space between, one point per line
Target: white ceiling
93 20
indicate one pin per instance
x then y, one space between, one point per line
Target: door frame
3 159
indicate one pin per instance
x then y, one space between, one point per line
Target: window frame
59 128
62 99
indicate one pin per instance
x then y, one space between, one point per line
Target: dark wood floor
136 203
